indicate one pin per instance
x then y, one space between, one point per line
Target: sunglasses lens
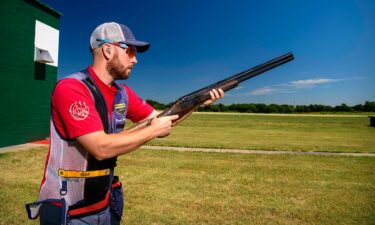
131 52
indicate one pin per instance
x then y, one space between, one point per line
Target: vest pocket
117 198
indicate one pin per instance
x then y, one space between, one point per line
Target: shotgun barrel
244 75
186 104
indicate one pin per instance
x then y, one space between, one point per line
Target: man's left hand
216 94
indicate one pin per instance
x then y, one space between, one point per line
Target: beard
116 69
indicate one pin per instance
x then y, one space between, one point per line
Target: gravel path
265 152
184 149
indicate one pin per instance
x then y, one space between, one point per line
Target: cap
115 32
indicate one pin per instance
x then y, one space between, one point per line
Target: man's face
122 63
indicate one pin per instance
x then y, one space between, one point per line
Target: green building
28 69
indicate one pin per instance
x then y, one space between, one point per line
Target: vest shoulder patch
78 110
120 108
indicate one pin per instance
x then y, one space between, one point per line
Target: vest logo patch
79 110
120 108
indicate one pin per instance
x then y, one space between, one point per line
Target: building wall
25 85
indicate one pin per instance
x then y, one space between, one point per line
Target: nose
134 60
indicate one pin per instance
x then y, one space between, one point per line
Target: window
46 44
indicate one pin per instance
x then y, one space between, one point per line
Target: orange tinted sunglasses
131 51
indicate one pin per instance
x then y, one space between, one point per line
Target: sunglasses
131 51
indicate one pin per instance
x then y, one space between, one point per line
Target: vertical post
372 121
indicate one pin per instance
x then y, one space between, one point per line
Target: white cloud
263 91
293 86
310 82
238 88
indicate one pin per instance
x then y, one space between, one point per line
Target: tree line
368 106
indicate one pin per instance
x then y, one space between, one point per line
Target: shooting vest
73 177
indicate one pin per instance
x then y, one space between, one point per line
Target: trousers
50 214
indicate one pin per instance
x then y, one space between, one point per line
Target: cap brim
140 45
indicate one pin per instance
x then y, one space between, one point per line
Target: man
88 116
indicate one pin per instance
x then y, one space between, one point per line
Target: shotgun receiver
185 105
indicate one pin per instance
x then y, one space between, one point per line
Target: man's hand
216 94
163 125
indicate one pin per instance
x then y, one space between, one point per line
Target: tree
343 108
156 105
275 108
369 106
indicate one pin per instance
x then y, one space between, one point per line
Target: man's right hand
163 125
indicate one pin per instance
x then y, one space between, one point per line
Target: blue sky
196 43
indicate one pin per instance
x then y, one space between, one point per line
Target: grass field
166 187
326 133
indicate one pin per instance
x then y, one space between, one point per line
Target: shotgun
186 104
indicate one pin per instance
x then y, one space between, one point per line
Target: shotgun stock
185 105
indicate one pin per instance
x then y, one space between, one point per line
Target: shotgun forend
188 103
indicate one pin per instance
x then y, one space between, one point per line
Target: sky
197 42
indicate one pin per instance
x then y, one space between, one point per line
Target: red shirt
73 108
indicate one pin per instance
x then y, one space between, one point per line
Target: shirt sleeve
138 109
73 109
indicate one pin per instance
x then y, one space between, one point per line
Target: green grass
165 187
325 133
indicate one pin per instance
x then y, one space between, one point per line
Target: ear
107 51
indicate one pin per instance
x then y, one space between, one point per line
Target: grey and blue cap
115 32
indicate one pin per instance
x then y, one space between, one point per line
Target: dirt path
265 152
184 149
21 147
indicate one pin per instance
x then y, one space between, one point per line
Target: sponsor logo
79 110
120 108
121 120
